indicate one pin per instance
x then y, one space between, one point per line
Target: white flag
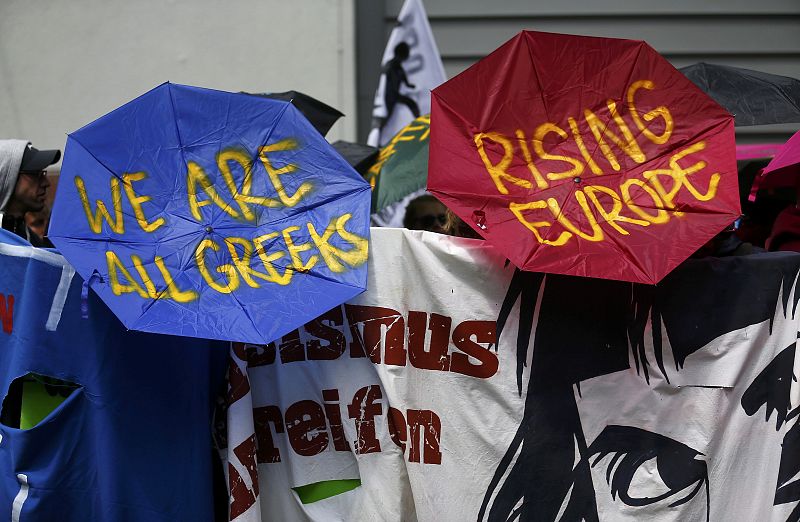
412 67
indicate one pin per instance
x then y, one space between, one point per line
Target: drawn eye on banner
211 214
675 466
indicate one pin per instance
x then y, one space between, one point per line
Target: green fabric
36 404
40 396
321 490
402 166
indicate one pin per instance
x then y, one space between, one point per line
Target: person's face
430 216
30 192
37 221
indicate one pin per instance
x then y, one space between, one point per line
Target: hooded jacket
11 152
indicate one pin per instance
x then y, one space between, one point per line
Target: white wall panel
63 64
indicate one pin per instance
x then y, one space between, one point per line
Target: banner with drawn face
458 388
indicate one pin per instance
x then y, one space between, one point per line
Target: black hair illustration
585 329
771 389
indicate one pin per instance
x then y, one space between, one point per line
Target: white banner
457 388
411 68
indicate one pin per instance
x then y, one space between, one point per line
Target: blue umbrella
211 214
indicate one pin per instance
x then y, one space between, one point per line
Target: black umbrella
321 115
360 157
753 97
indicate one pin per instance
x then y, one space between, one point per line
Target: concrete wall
762 35
65 63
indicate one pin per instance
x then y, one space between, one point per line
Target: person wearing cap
23 186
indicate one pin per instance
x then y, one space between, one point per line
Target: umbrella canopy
786 158
584 156
321 115
211 214
360 157
753 97
402 166
784 169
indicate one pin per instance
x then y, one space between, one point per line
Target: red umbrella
784 169
584 156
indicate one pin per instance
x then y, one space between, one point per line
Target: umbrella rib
180 140
623 248
627 253
247 314
223 136
95 157
318 275
446 105
181 270
274 125
561 210
623 95
704 76
627 83
152 303
119 241
694 139
780 91
622 99
306 209
110 171
687 211
266 247
197 144
538 80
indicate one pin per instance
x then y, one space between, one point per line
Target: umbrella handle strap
85 293
754 188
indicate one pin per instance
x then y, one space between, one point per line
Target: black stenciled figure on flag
571 458
395 78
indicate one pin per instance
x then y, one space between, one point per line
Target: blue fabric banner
133 442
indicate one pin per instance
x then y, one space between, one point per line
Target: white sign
457 388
